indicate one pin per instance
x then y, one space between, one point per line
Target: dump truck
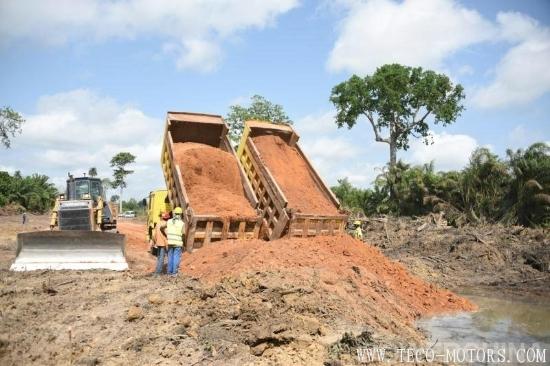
280 219
203 227
82 236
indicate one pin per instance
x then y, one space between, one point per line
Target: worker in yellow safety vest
175 233
358 232
160 242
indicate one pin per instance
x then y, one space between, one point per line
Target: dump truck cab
158 203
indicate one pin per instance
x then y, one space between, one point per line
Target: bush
35 193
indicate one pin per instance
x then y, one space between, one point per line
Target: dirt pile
212 180
357 273
293 176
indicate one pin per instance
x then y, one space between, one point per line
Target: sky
96 77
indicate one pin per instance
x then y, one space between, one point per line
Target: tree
397 101
118 163
349 196
107 184
528 201
34 193
10 124
259 109
92 172
484 184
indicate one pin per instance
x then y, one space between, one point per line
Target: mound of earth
293 176
346 267
212 180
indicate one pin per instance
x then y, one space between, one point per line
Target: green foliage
259 109
10 125
528 201
350 197
118 163
488 189
35 193
114 198
397 101
92 172
134 205
408 187
484 182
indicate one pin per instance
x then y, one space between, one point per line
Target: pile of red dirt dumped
212 180
293 176
368 283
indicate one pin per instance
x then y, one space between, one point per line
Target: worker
24 217
357 232
160 242
175 231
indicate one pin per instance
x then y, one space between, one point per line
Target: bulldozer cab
84 188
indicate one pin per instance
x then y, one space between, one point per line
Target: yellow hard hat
357 222
178 210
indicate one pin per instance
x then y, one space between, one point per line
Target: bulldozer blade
73 249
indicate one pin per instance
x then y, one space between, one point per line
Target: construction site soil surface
212 180
485 258
294 176
299 301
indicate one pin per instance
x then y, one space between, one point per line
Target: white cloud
449 152
317 123
196 28
427 32
76 130
522 75
522 136
412 32
329 149
361 174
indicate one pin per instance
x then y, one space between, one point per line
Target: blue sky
95 77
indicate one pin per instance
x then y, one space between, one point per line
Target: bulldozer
82 233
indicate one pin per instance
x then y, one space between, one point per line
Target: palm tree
528 200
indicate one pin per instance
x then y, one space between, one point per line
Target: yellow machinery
158 204
78 237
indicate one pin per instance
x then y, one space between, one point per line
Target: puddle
502 331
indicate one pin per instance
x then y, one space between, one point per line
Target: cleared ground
238 303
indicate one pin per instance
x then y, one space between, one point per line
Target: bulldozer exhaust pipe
75 249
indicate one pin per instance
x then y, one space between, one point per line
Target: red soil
347 276
212 181
293 176
348 268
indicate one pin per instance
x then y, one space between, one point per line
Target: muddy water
501 332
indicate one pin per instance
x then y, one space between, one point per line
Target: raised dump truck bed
204 227
280 218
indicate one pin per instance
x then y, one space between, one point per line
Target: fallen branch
529 280
387 234
478 238
230 294
65 283
422 227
